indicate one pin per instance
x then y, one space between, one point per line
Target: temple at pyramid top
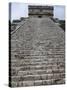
40 11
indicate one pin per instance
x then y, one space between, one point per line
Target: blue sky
21 10
59 12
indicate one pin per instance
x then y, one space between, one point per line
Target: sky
21 10
59 12
18 10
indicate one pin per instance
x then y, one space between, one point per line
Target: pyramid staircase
37 53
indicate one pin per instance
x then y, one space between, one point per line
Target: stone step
32 49
38 82
44 82
39 67
40 71
46 61
54 56
41 54
30 63
38 77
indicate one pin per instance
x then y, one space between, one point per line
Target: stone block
38 82
28 83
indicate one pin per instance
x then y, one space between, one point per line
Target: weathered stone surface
37 53
28 83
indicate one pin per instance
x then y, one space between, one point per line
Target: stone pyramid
37 53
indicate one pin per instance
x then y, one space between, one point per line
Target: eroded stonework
37 53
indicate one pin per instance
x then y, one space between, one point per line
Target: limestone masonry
37 52
40 11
